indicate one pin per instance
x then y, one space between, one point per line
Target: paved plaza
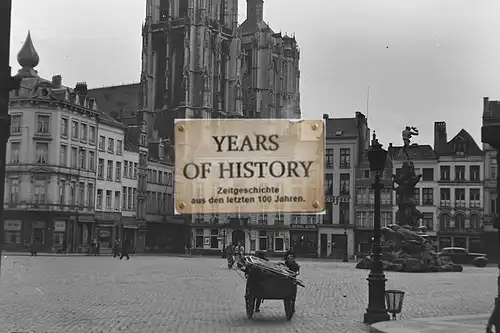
171 294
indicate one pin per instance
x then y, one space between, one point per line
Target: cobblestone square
170 294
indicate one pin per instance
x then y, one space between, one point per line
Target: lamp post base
373 317
376 311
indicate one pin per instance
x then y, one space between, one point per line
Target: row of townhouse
74 174
451 196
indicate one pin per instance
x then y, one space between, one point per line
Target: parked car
459 255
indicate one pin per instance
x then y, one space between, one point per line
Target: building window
460 148
15 123
135 170
416 196
64 127
62 192
428 175
40 189
474 173
279 244
459 197
92 134
345 158
83 132
74 157
12 232
111 145
109 199
124 198
83 158
81 194
385 196
42 152
345 184
119 147
445 197
344 213
91 161
63 155
460 221
262 240
125 168
494 168
444 222
100 168
475 222
494 206
90 193
366 174
130 200
72 193
386 218
99 199
134 198
14 190
445 172
262 219
43 122
329 158
329 184
109 173
427 196
118 172
117 200
214 241
74 129
311 219
460 172
15 149
362 195
198 238
102 142
279 219
428 221
475 197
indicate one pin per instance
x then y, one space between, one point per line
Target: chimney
255 11
57 81
325 116
82 91
390 144
440 135
486 104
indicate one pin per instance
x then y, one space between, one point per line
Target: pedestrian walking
494 320
125 249
116 248
33 248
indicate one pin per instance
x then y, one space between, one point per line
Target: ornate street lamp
376 310
490 135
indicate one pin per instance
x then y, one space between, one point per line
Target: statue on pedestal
407 133
407 214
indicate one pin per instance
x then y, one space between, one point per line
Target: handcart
269 281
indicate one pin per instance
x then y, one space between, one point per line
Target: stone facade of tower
189 62
270 70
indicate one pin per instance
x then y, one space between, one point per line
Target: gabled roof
416 152
341 128
463 136
249 26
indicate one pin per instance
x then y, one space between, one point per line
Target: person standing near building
125 249
116 248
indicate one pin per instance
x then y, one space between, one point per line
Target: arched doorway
238 236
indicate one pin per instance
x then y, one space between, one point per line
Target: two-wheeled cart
266 284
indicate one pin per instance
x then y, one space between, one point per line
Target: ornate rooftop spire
28 58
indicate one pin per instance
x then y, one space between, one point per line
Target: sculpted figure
407 213
407 133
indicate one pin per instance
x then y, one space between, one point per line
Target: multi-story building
491 113
269 71
461 176
129 193
364 204
346 143
426 192
51 163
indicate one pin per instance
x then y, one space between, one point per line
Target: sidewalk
452 324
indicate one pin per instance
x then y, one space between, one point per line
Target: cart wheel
250 303
289 308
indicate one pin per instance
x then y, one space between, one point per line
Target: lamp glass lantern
394 301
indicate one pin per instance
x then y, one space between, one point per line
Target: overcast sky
424 60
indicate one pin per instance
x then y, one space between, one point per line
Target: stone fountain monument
404 249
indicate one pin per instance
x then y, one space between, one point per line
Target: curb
415 325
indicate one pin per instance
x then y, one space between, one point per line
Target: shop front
107 229
168 236
304 239
273 241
